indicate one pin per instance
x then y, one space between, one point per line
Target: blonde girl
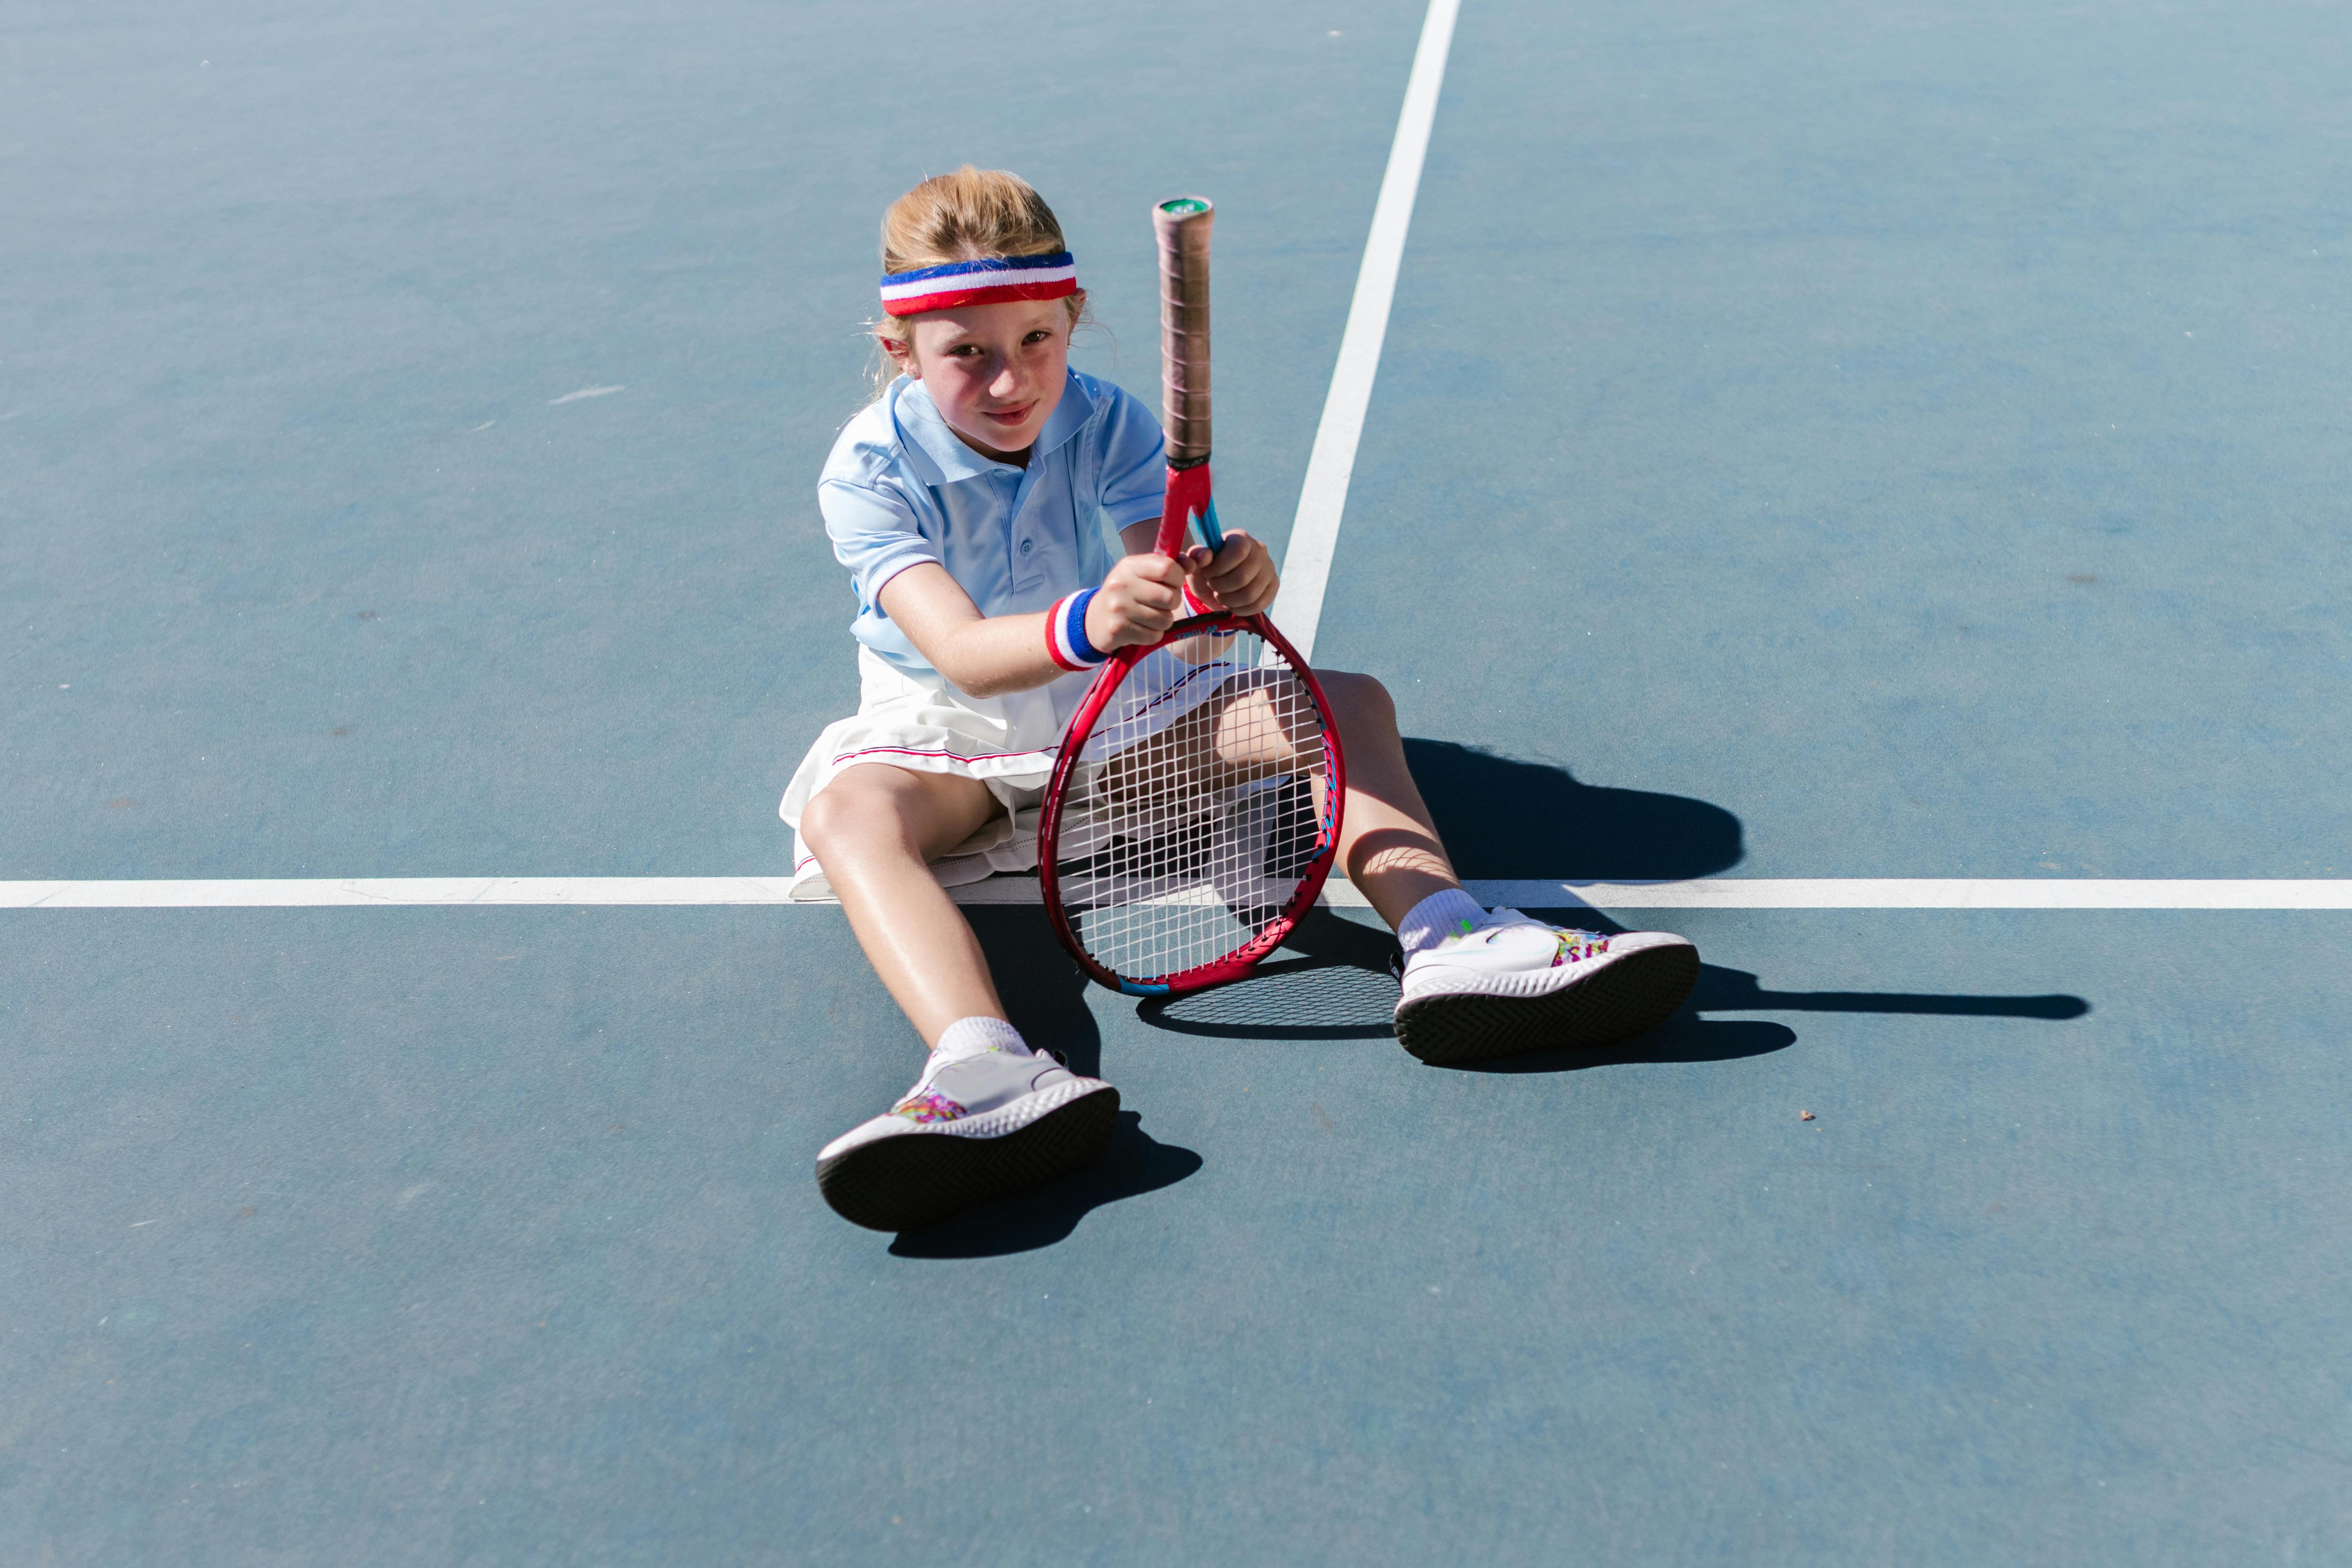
987 484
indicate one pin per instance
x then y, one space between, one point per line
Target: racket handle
1182 227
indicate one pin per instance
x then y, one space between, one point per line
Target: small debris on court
1804 1116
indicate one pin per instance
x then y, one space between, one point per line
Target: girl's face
994 371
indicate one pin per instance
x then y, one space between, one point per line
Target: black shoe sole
915 1180
1638 992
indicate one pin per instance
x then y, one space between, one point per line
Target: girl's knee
1357 698
850 808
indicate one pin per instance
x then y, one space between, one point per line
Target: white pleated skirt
1009 743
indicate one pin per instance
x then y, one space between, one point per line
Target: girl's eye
1039 336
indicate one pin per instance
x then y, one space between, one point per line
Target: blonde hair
972 215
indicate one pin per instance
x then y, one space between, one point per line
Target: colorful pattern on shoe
1575 946
928 1107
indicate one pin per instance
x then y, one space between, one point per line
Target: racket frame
1107 682
1182 227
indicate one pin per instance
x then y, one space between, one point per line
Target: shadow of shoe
1737 990
1688 1037
1685 1037
1134 1164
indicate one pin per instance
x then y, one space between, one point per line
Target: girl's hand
1142 597
1239 577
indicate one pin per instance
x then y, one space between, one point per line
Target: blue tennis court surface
1828 442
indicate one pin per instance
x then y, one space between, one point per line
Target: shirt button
1027 545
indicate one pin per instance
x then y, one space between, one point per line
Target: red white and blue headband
985 282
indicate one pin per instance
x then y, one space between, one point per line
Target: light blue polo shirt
900 489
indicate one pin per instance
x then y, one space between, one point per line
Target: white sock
1437 917
970 1036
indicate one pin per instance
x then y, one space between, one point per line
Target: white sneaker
1515 985
971 1130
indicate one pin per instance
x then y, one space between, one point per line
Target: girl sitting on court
987 484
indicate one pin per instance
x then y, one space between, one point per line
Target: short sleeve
1134 462
874 532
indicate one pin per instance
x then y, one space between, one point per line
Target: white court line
1314 531
1710 893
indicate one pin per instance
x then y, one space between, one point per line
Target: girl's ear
901 355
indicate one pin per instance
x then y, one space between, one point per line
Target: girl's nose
1006 381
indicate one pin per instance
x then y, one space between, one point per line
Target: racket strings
1204 813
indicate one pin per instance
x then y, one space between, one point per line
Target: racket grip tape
1182 227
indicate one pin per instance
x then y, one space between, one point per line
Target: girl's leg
1510 984
987 1116
1388 845
875 829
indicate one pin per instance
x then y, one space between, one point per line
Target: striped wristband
1065 633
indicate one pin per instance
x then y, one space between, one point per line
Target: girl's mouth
1008 415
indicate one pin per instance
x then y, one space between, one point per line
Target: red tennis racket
1194 808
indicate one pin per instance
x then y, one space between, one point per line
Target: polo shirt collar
933 445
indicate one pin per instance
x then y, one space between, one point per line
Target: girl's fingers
1240 556
1238 584
1147 569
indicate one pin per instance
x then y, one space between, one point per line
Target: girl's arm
1143 596
987 656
